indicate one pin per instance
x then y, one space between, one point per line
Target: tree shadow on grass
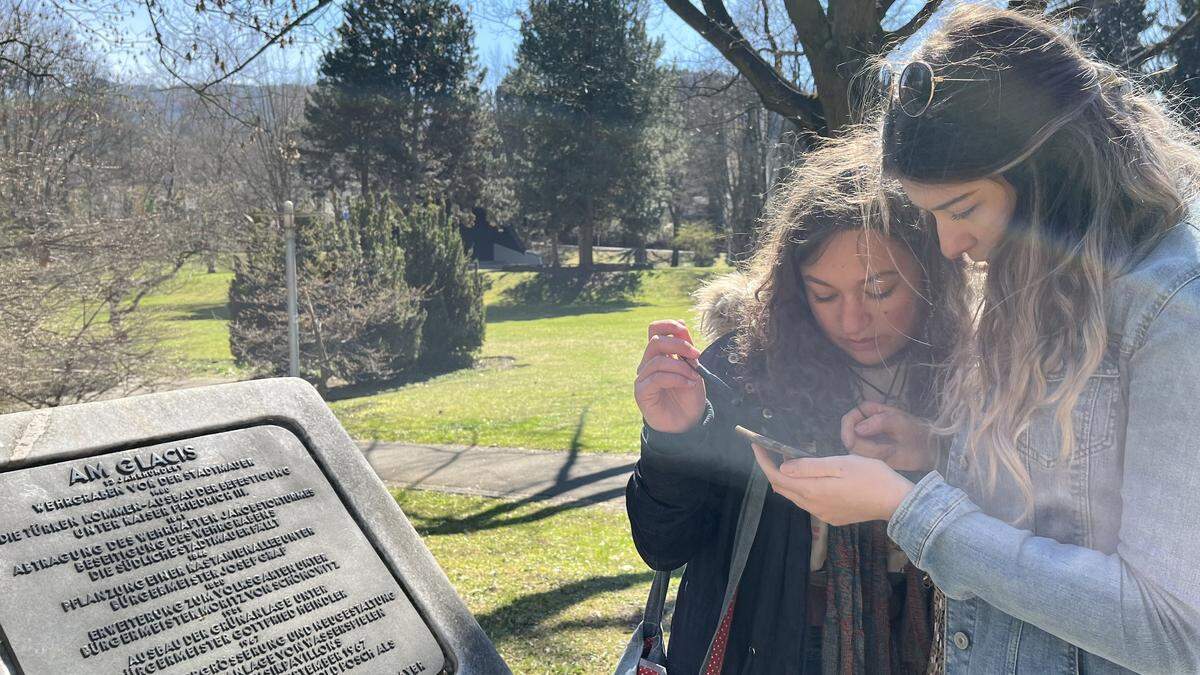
373 446
497 516
566 292
207 312
627 622
492 518
523 617
348 391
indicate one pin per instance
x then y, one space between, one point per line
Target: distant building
495 246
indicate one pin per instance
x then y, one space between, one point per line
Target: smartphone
767 443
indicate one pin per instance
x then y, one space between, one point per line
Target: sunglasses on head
913 91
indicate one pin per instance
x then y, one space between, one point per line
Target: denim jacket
1103 575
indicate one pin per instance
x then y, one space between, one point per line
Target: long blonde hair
1101 170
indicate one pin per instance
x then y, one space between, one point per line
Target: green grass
555 371
557 590
191 311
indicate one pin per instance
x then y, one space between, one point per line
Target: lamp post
289 228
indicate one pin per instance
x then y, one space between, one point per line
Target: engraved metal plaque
228 552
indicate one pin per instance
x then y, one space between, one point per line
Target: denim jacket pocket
1093 420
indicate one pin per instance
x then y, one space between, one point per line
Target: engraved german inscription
229 553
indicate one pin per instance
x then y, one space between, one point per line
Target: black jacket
683 502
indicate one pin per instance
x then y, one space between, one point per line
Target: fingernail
860 426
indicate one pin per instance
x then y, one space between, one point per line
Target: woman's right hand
888 433
669 392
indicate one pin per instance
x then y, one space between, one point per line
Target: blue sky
496 38
496 25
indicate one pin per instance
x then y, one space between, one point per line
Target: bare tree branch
703 91
24 62
774 46
783 52
809 20
271 40
1035 6
777 94
914 24
1157 48
21 66
1078 7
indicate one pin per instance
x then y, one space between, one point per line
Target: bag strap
652 616
747 528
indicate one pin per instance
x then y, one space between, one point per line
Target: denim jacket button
753 651
961 640
767 414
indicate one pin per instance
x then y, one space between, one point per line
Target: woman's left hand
839 490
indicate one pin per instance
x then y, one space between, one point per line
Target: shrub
359 319
452 292
700 240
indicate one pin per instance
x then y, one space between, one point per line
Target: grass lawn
191 310
557 590
556 369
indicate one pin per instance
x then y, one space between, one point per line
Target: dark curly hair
779 348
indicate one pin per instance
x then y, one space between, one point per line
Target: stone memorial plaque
230 551
220 552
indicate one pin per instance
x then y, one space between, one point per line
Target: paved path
556 476
514 473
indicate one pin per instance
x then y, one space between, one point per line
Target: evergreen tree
452 291
1184 78
396 104
579 108
537 205
359 319
1112 30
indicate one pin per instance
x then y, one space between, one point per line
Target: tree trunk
554 251
585 245
671 209
364 176
586 231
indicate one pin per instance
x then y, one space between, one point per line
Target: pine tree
396 104
579 107
1112 30
1184 78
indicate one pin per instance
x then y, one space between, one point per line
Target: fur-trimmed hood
717 303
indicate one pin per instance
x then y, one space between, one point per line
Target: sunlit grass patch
193 317
557 589
555 371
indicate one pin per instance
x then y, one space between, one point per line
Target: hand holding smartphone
767 443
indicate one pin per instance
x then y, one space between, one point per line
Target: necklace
895 388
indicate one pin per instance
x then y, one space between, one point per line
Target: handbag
646 653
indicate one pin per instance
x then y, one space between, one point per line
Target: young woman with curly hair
835 310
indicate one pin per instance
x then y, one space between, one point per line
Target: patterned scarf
864 632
